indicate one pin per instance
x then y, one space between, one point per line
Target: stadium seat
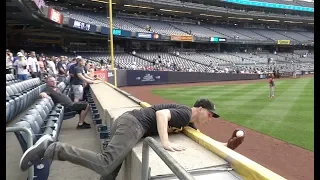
42 169
21 94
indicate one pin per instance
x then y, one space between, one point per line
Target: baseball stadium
160 89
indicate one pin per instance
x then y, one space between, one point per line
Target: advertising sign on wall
153 36
116 32
181 38
218 39
272 5
82 25
284 42
102 74
55 15
139 78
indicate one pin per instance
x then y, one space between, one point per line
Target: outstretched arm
163 117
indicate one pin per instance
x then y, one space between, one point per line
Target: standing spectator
78 80
72 66
9 62
51 67
33 65
90 68
74 61
62 69
22 67
41 67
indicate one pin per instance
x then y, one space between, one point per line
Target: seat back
33 123
7 111
41 111
37 116
22 136
9 91
44 105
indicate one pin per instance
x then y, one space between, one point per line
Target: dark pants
126 132
35 74
86 90
76 106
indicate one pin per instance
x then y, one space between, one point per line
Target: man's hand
44 95
94 82
172 147
235 141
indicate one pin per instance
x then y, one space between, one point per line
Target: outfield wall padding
141 78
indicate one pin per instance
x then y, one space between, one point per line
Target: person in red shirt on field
272 85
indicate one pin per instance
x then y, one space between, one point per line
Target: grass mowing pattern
289 116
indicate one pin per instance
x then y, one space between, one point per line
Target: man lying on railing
126 132
81 107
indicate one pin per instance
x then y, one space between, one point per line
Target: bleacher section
183 63
203 30
202 61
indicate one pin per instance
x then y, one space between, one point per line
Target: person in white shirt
22 67
51 66
9 60
33 65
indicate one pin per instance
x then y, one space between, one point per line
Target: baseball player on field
272 85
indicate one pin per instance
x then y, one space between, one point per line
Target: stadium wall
141 78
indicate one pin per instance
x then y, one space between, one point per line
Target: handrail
29 144
175 167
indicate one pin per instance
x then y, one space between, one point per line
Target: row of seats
43 118
10 79
20 95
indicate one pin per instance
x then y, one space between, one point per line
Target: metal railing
175 167
29 144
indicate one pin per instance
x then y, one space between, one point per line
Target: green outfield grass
289 116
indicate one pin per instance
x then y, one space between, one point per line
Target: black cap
206 104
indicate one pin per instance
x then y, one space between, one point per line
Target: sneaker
36 152
84 126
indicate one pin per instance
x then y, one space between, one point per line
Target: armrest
51 118
14 96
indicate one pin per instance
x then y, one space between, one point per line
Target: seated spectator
81 107
22 67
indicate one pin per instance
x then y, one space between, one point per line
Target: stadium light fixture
311 23
269 20
169 10
105 2
294 22
209 15
241 18
142 7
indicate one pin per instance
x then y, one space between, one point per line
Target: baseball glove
235 141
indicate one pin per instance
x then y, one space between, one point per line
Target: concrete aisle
86 139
